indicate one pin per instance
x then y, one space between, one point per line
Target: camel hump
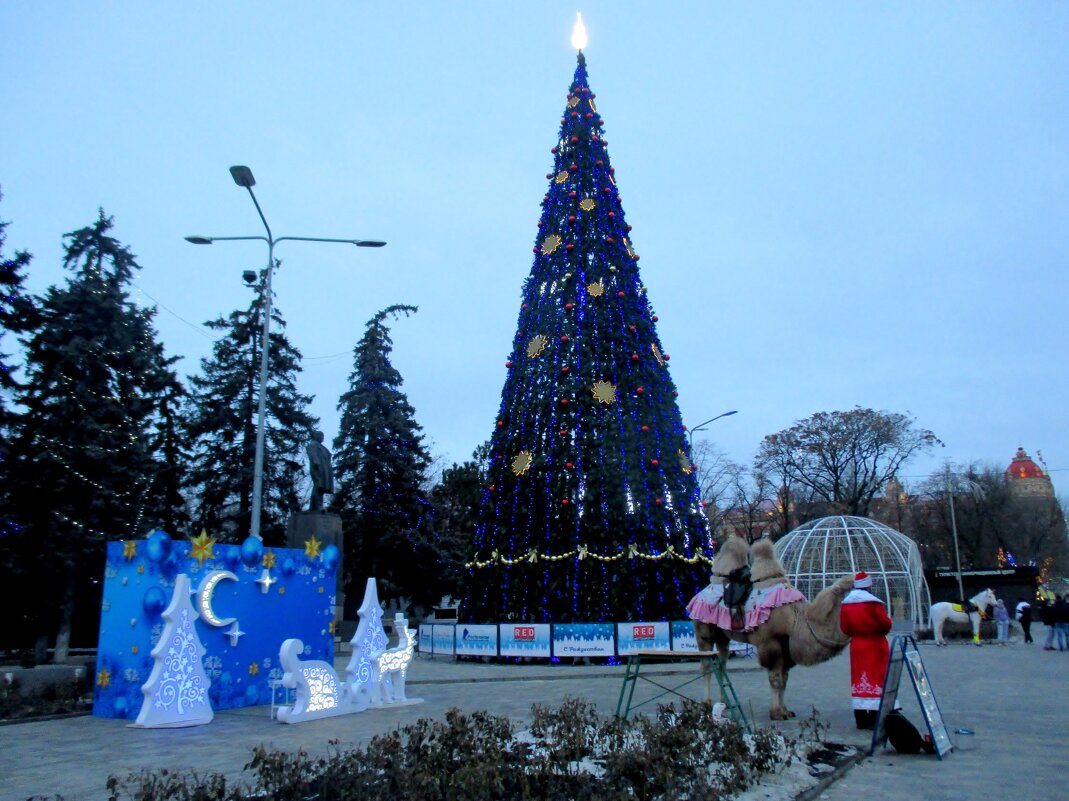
762 549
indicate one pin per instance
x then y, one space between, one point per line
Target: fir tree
456 499
17 315
380 465
221 428
95 376
591 512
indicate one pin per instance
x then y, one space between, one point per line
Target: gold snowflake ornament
604 391
522 463
536 346
657 353
685 463
596 289
587 204
550 243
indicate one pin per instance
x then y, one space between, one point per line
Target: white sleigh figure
392 665
319 693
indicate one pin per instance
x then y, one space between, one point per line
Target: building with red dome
1027 479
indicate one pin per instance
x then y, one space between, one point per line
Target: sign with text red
524 639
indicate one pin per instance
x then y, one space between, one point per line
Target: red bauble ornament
554 151
666 357
621 294
535 249
635 257
569 465
492 488
589 116
705 504
508 364
564 338
612 214
563 401
568 306
564 502
606 190
640 390
572 193
634 358
571 218
549 175
564 369
675 394
600 163
612 171
545 198
573 167
575 113
654 462
645 429
569 246
655 318
574 139
610 240
541 224
500 423
658 501
629 228
524 306
563 433
631 328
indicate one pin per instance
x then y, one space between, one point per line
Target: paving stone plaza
1013 697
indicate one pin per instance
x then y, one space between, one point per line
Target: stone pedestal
326 528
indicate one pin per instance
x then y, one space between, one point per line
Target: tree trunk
66 615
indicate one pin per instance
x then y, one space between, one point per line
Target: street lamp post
954 531
243 177
701 426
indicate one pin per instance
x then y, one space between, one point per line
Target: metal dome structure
817 553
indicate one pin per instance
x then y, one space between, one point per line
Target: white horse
944 611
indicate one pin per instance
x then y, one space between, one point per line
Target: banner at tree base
241 592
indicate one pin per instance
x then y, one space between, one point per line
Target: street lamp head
249 277
368 243
199 240
243 176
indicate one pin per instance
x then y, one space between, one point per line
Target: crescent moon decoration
204 597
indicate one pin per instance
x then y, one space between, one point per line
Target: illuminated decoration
318 692
657 353
393 663
203 547
135 593
269 559
265 581
129 550
685 463
204 597
312 548
254 667
604 392
362 672
562 176
234 634
579 38
536 346
176 693
522 463
104 678
599 536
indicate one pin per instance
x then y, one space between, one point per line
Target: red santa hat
862 580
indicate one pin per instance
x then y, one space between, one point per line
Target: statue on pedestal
322 472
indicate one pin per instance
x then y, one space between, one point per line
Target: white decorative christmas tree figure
362 672
176 693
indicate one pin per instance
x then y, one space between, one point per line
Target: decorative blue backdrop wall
278 593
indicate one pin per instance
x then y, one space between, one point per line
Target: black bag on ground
904 737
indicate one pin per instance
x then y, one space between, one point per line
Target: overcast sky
836 204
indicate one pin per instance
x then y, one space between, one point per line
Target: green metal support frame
632 674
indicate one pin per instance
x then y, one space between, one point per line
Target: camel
796 633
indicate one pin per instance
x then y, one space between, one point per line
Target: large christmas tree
592 512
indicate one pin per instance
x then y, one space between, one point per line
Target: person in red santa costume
864 618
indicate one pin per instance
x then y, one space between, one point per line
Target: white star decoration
265 581
235 633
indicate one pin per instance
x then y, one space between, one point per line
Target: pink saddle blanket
707 606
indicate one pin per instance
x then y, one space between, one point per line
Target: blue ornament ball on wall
120 707
252 695
232 556
154 601
169 565
158 546
252 551
331 557
289 567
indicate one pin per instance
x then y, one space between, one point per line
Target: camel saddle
737 589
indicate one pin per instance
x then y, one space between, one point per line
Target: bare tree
843 458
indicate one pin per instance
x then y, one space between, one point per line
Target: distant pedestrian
1061 621
1002 622
1024 617
1046 615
